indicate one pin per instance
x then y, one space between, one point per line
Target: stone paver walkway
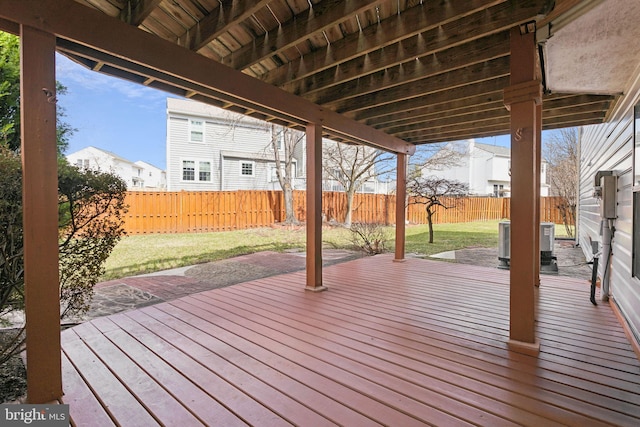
139 291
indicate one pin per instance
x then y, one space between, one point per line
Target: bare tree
352 166
432 191
561 154
435 157
284 143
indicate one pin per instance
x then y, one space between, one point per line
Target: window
197 170
498 190
635 268
188 170
280 141
204 171
246 168
82 163
273 177
196 130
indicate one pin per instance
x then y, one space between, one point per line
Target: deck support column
401 195
314 208
40 214
523 98
538 149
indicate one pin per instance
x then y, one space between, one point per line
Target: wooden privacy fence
202 211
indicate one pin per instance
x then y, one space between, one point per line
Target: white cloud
71 74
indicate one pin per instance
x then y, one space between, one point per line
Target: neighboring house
209 148
154 177
138 176
485 168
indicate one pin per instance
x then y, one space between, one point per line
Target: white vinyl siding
610 147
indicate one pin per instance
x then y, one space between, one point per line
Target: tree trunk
430 222
347 217
290 215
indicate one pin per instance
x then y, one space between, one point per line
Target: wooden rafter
135 12
219 21
457 78
459 92
475 118
394 29
479 51
483 102
455 34
321 17
496 126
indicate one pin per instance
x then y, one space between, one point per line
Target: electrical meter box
609 185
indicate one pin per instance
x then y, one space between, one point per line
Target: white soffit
596 53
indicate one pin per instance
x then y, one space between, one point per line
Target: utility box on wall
609 185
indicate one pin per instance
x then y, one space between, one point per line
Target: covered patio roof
421 72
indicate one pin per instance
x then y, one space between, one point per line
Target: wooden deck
398 344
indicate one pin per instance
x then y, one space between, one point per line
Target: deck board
466 366
414 343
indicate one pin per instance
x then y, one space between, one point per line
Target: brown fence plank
191 211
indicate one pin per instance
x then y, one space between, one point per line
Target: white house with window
155 179
138 175
209 148
485 168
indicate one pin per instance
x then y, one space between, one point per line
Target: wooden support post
538 154
40 214
523 98
401 195
314 208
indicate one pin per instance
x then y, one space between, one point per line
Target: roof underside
421 71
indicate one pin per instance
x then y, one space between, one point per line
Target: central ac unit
547 239
504 244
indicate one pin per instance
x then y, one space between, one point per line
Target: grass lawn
146 253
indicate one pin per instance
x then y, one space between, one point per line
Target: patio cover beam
72 21
40 214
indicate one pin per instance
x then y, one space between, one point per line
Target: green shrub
90 223
90 211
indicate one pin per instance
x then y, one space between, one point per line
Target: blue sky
126 118
113 114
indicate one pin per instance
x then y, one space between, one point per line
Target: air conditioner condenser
548 262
